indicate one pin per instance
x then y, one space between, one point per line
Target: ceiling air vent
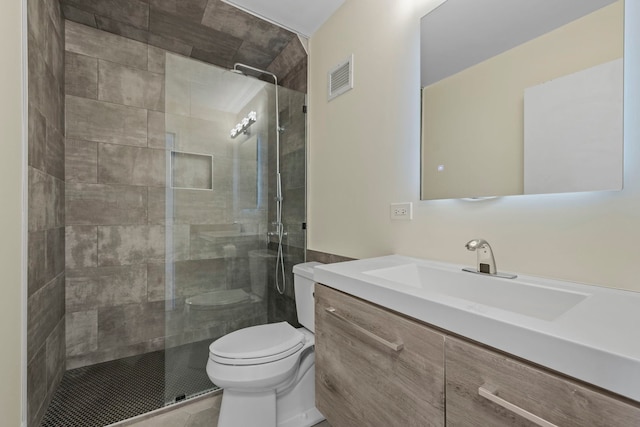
341 78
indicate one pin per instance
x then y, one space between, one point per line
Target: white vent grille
341 78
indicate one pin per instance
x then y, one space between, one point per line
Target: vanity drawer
375 367
486 388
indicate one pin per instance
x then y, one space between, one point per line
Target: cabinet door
375 367
486 388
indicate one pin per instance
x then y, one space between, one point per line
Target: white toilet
267 371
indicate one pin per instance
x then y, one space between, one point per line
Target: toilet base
247 409
294 407
297 407
306 419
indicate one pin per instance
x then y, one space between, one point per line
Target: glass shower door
216 214
219 271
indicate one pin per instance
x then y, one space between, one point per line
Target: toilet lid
257 344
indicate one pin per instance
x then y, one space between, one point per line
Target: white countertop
597 341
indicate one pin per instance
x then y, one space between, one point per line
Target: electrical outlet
402 211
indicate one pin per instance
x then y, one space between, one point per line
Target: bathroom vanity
395 349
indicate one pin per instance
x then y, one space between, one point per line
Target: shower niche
191 171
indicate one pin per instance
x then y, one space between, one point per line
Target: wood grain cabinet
375 367
487 388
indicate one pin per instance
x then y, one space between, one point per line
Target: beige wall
488 98
364 154
10 215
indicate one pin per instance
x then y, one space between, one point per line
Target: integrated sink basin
516 296
583 331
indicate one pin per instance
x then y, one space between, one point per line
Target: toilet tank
303 285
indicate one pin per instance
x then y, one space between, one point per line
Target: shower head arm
238 65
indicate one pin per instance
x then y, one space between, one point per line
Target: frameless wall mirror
521 97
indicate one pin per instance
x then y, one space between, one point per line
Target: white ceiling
300 16
461 33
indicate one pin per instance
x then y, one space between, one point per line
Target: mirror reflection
521 97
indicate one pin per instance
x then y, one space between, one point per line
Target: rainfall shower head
238 65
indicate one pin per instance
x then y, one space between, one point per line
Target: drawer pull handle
513 408
392 345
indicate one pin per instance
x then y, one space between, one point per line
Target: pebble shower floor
109 392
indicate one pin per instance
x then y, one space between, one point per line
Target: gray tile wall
326 258
115 159
46 239
293 176
207 30
118 301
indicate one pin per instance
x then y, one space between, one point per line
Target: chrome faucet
486 261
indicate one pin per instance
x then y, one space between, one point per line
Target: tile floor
128 387
202 412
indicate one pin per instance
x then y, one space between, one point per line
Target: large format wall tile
54 45
107 354
190 206
81 75
130 324
297 77
37 138
93 42
46 201
36 269
74 14
189 278
44 309
156 136
93 288
52 100
132 244
199 36
116 197
288 58
120 164
125 85
156 59
81 161
54 157
293 170
46 192
55 359
37 385
98 204
188 9
82 332
208 30
81 246
225 18
133 12
54 253
98 121
40 200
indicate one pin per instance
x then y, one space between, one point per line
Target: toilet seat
257 345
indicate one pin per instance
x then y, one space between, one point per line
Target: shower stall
185 199
234 218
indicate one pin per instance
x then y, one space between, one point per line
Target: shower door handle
392 345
